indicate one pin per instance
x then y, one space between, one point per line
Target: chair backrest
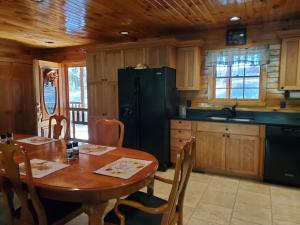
183 168
58 127
109 132
11 184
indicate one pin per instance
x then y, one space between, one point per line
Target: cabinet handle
226 129
179 131
179 121
223 135
180 140
228 135
104 114
282 88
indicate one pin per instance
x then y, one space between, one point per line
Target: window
78 102
237 81
238 74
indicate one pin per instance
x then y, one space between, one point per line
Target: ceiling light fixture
49 42
37 0
124 32
234 18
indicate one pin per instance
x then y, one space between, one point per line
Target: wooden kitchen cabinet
290 64
159 56
210 150
133 56
242 154
104 65
181 131
188 68
230 148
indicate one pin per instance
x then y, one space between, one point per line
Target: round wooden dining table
79 183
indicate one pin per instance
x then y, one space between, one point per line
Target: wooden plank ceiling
77 22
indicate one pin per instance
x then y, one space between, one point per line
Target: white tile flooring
219 200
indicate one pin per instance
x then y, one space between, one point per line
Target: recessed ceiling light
234 18
37 0
124 32
49 42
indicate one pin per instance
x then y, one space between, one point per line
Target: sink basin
241 119
236 119
217 118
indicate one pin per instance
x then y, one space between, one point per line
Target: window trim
248 102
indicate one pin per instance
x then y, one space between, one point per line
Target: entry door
50 94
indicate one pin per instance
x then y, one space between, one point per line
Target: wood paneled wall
17 109
63 55
257 35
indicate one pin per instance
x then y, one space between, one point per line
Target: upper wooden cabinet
104 65
290 64
133 56
159 56
188 68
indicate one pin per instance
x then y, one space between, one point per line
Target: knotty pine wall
17 109
265 34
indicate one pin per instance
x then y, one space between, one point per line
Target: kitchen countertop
262 118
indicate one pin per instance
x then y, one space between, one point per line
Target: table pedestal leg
95 212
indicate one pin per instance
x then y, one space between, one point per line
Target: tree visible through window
237 81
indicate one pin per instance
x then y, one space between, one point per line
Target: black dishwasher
282 159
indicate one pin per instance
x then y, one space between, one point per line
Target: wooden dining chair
109 132
33 210
146 209
58 127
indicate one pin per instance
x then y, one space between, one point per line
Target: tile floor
219 200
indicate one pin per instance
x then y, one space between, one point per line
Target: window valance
258 55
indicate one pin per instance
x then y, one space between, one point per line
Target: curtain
258 55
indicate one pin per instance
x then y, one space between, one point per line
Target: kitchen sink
241 119
236 119
217 118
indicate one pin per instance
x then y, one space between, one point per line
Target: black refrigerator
147 100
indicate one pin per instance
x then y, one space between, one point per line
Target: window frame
248 102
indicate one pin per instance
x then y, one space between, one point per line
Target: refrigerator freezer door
153 121
128 106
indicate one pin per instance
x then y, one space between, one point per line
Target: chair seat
135 216
55 210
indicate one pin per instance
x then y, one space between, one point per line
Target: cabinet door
133 57
113 62
95 66
188 68
290 64
210 150
109 99
242 154
156 57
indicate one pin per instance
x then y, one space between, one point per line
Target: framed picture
236 36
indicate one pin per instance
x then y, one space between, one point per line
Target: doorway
78 102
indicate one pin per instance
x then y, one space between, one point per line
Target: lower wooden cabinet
210 151
229 149
242 154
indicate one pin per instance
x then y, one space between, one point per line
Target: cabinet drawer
177 142
181 134
181 124
243 129
173 155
